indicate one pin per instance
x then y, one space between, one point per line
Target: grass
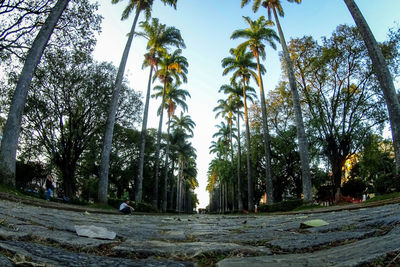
384 197
308 207
10 190
15 192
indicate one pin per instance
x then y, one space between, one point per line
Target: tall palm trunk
139 178
165 186
172 183
232 163
108 134
250 186
157 167
383 74
9 142
267 140
221 202
301 135
239 167
178 186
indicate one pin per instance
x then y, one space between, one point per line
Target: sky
206 26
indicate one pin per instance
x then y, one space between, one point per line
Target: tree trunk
250 186
68 177
239 165
139 178
165 188
232 164
157 167
267 139
108 134
301 135
171 195
9 142
383 74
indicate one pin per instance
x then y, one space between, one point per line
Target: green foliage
354 188
115 202
340 116
376 159
281 206
384 197
387 183
30 175
325 193
143 207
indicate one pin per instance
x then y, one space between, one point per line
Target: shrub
387 183
354 188
325 193
115 202
144 207
281 206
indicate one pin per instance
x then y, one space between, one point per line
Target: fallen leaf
313 223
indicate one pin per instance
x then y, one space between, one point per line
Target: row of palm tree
136 6
243 68
170 68
159 38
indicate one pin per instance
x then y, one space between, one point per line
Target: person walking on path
49 186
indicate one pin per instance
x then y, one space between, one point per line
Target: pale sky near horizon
206 26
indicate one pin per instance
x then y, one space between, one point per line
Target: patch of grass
383 197
10 190
349 227
308 207
209 259
101 206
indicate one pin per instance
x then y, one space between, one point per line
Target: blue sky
206 26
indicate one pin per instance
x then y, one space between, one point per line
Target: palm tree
138 6
242 66
219 148
173 97
172 67
256 35
227 108
159 39
182 129
186 158
275 7
224 135
383 74
9 141
235 92
183 122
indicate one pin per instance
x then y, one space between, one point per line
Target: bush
387 183
144 207
354 188
325 193
281 206
115 202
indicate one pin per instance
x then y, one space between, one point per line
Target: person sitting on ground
125 208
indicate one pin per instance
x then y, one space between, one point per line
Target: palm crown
183 122
159 37
256 35
269 5
174 97
139 5
241 64
173 67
